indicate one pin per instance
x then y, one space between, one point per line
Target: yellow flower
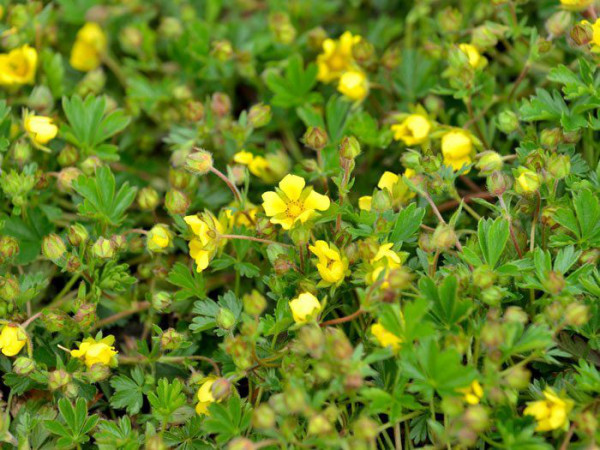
18 66
237 217
550 413
305 307
292 202
395 185
12 339
384 261
527 181
576 5
206 242
89 47
205 397
332 266
412 130
476 61
473 393
270 168
354 84
364 202
97 352
457 147
159 238
384 337
336 57
41 129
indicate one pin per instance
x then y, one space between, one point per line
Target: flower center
294 209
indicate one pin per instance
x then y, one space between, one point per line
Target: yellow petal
292 186
317 201
273 204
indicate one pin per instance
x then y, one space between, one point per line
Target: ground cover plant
274 224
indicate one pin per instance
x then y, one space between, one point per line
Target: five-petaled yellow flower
40 129
159 238
550 413
89 47
384 337
336 57
292 202
305 307
206 242
476 60
12 339
331 264
527 181
205 397
18 66
354 84
457 147
93 352
473 393
413 130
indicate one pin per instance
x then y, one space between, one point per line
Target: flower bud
221 388
53 247
58 379
171 339
222 50
590 256
572 137
9 248
180 179
98 372
517 377
86 316
559 23
263 417
131 39
450 19
516 314
551 137
77 234
582 33
259 115
161 300
241 443
508 122
22 152
381 201
194 111
498 183
23 365
476 418
312 340
220 104
576 314
254 303
526 181
492 295
68 156
443 237
90 164
316 37
148 198
349 148
170 28
9 288
294 399
484 277
199 163
103 248
555 283
319 425
66 177
338 344
315 138
558 166
489 162
225 319
176 202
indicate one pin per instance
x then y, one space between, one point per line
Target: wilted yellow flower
97 352
476 61
576 5
18 66
412 130
384 337
205 397
527 181
305 307
159 238
292 202
336 57
457 147
550 413
89 47
331 264
204 245
354 84
364 202
12 339
473 393
40 129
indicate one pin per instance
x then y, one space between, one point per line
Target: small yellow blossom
18 66
292 202
413 130
384 337
305 307
384 261
364 202
399 191
354 84
237 217
331 264
270 168
576 5
336 57
97 352
457 147
12 339
473 393
159 238
89 47
527 181
205 397
41 129
206 242
476 61
595 42
550 413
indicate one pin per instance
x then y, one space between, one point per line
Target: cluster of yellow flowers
336 63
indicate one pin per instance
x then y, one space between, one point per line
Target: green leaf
169 403
544 106
294 88
447 309
207 310
493 236
228 420
190 283
128 391
407 223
